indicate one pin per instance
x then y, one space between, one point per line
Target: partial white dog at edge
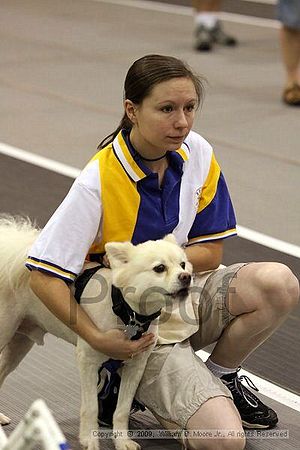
24 319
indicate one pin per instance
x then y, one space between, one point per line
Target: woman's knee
216 426
278 285
231 443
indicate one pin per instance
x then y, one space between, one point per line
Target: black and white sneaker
219 36
203 39
254 413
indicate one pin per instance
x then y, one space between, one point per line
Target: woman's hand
115 344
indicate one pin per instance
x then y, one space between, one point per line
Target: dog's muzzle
185 280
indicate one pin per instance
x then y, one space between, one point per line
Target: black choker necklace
154 159
137 155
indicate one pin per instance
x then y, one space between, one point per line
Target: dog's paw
90 444
126 444
93 445
4 420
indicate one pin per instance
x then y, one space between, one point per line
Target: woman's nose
181 120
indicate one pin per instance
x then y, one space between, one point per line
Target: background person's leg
288 12
290 49
208 29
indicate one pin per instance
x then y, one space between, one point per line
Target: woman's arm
57 297
205 256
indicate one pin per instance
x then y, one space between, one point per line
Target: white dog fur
24 319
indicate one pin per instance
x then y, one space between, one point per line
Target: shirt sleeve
215 218
63 244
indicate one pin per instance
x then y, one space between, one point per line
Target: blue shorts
289 13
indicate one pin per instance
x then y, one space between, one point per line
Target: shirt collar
134 166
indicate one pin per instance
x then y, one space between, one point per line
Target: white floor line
39 161
188 11
269 2
270 390
266 388
268 241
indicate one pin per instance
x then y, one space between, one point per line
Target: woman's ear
130 110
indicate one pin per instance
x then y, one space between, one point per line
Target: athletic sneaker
219 36
204 39
253 412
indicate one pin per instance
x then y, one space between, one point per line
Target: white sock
207 19
217 370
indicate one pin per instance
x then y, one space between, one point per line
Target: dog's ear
118 253
170 238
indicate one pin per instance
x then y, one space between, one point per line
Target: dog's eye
160 268
182 264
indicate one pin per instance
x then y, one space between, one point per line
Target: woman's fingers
144 342
116 345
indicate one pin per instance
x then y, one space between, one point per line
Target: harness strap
128 316
83 279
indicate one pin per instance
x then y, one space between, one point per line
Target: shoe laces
250 398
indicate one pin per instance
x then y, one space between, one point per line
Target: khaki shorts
176 381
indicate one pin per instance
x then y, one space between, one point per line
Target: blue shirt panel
218 216
158 213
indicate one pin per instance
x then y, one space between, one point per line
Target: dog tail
16 237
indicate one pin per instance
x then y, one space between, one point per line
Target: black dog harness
135 325
83 279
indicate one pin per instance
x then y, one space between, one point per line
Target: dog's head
150 273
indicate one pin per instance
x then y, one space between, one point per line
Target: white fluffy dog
157 268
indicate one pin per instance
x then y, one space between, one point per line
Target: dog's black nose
185 278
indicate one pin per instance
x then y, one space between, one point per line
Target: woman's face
164 118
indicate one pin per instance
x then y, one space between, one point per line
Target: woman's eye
167 109
190 108
160 268
182 265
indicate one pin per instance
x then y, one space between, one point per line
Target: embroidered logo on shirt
197 196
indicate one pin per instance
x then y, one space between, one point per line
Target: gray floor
62 67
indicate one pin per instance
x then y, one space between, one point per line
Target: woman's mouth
176 138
